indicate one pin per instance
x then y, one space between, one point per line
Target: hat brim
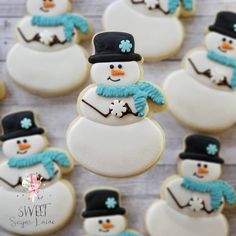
201 157
114 57
222 31
21 133
108 212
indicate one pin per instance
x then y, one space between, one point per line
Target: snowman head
221 44
48 7
114 61
116 73
222 35
24 146
103 214
201 160
200 170
105 225
22 137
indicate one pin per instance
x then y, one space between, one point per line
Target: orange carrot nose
108 226
227 46
24 146
202 170
48 4
117 72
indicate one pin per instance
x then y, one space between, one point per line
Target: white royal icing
113 144
52 65
165 32
197 100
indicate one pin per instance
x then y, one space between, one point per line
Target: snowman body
56 65
31 194
27 217
165 31
117 140
203 87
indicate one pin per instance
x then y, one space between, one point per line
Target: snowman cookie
192 202
31 189
114 134
157 19
47 59
104 216
202 95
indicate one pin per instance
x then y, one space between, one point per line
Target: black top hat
114 46
18 125
103 202
202 148
225 24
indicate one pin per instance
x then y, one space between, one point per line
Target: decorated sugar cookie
114 135
34 198
104 216
157 19
191 203
203 94
47 59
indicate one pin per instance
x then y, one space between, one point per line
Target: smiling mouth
113 80
22 153
198 176
104 230
44 10
222 50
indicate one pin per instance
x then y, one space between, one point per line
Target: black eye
231 41
112 66
100 222
120 66
25 141
224 39
18 142
108 221
205 166
199 165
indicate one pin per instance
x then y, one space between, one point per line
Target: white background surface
56 113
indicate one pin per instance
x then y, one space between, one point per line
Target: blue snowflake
212 149
125 46
111 203
235 27
26 123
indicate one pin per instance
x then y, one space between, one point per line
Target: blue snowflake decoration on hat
212 149
235 27
125 46
111 203
26 123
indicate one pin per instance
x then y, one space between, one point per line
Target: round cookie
154 18
53 62
203 94
192 202
114 134
31 186
103 215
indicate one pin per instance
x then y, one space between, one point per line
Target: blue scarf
127 233
140 91
174 4
217 191
227 61
47 158
68 20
